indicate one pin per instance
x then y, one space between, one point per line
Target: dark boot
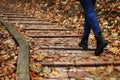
101 44
84 43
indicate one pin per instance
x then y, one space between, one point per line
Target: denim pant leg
87 27
91 21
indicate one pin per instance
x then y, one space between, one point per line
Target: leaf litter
66 13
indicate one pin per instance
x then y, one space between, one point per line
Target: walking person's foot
101 44
84 43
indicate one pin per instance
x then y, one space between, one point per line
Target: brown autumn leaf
36 67
33 74
1 59
110 68
36 78
3 52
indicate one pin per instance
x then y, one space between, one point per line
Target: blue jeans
91 21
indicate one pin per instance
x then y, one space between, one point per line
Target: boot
84 43
101 44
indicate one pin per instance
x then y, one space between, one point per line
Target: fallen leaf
46 70
55 73
37 69
110 68
3 52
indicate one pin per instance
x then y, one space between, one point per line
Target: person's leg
94 2
93 22
87 29
87 26
90 15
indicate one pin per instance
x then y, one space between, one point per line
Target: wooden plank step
16 16
61 48
30 23
26 22
51 34
57 29
76 64
6 15
21 19
13 13
54 36
62 52
58 42
43 26
19 16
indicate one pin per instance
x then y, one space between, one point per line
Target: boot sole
84 47
101 49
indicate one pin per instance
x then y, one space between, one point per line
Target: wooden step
17 16
8 13
65 48
21 19
43 26
65 36
76 64
33 29
31 22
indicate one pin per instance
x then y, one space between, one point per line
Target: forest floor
67 13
